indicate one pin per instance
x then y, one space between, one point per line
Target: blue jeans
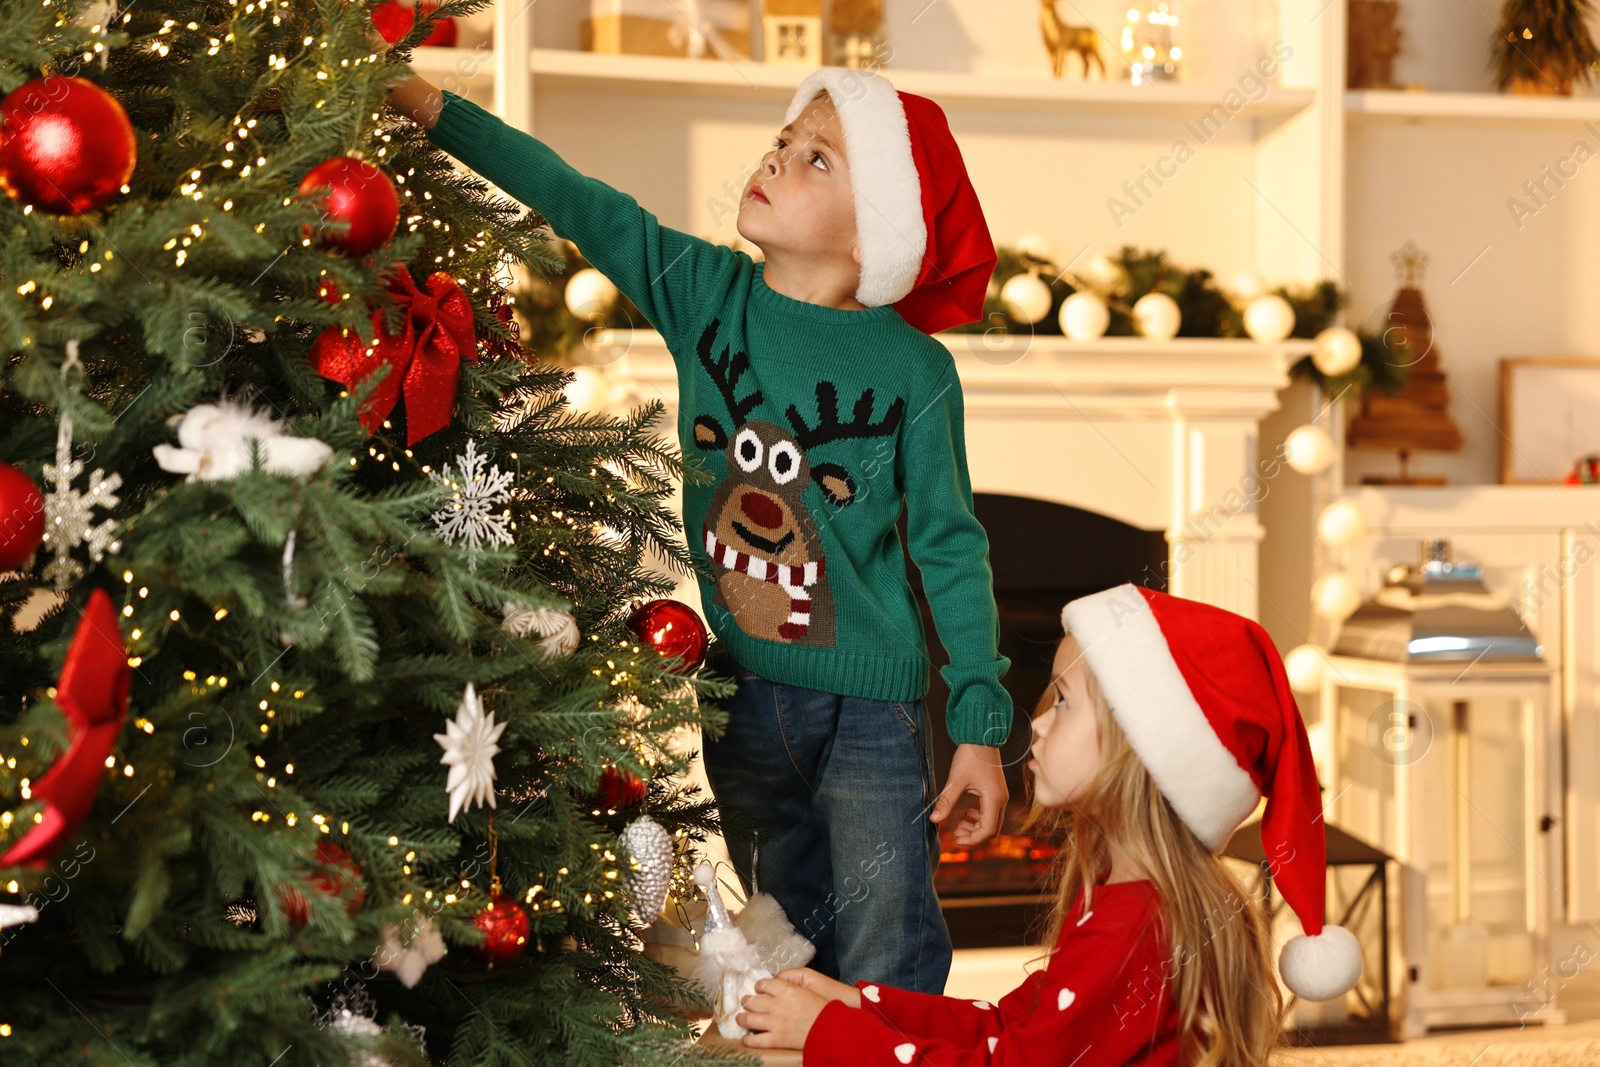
825 801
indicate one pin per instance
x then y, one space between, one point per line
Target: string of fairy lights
139 635
241 163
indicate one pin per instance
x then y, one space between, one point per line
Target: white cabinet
1539 548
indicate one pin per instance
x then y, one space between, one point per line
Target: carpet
1480 1052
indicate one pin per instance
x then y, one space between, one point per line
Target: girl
1167 723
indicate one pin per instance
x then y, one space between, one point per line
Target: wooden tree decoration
1416 416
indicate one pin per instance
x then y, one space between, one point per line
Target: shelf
1370 104
470 68
559 68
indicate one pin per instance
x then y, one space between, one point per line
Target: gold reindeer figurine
1061 38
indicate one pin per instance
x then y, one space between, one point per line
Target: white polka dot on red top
1065 998
870 992
984 1004
904 1052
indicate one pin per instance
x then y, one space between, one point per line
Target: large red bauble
337 875
357 193
394 21
619 789
21 517
66 145
673 629
505 930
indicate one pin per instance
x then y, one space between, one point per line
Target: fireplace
1042 555
1092 463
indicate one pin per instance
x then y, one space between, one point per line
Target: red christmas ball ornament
673 629
505 930
619 789
21 517
394 21
66 145
337 875
354 191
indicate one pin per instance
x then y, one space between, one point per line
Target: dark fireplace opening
1042 554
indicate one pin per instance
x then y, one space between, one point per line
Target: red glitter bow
424 358
93 692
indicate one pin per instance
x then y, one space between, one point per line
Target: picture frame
1549 416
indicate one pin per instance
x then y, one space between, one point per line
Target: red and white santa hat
925 247
1204 700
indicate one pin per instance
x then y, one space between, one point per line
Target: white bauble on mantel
1337 351
588 390
1308 449
1268 319
1335 596
1084 316
1026 297
1340 524
1156 316
1304 664
1104 274
590 294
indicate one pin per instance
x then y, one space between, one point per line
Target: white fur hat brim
888 190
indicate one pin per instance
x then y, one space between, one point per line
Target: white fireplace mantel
1158 434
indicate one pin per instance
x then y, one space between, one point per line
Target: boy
810 385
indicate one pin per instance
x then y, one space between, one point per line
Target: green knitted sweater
817 422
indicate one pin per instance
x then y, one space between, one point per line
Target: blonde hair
1219 972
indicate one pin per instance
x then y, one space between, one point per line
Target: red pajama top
1103 1000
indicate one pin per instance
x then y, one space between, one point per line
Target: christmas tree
329 638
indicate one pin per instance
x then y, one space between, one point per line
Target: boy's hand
974 769
779 1014
416 97
822 985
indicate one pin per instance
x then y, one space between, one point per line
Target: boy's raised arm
669 275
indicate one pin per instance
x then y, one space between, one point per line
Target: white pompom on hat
925 247
1202 695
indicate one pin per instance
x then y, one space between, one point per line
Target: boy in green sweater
810 384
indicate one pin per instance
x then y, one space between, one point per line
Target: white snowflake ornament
557 629
470 743
69 514
477 489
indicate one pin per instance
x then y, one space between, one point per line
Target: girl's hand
779 1014
820 984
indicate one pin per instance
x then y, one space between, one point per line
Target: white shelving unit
554 68
1481 108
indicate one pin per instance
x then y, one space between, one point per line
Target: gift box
705 29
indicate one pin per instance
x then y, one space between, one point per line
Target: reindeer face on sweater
759 533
